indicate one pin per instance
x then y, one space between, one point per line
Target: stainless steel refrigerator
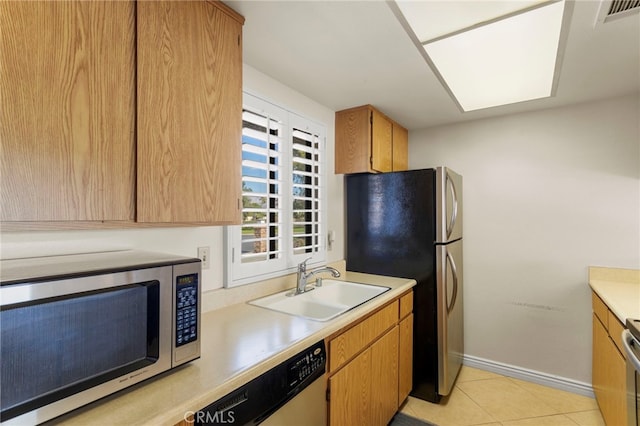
409 224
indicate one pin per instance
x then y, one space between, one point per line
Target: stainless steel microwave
76 328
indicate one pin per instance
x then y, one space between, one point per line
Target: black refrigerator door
391 223
391 230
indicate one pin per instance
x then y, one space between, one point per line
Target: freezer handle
454 213
454 271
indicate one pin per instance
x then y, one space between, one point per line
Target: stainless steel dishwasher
631 343
290 394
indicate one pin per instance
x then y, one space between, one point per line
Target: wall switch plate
203 254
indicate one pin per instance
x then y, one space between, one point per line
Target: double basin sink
322 303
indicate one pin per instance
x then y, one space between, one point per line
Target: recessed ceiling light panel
504 61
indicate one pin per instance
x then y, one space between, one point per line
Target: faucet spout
303 276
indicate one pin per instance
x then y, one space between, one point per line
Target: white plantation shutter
261 186
257 245
282 195
306 187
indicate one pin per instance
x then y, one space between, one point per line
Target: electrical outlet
331 238
203 254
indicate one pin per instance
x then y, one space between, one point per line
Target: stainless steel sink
322 303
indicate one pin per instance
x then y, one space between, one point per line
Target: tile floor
483 398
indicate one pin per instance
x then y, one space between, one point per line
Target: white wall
185 240
546 195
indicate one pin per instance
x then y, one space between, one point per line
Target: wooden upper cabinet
381 142
400 148
189 112
366 142
67 111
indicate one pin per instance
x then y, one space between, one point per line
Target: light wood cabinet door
350 393
381 143
189 112
405 358
384 378
400 148
353 140
609 376
67 111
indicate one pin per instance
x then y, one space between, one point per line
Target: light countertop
619 289
239 342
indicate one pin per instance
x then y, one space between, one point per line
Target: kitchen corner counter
619 289
239 342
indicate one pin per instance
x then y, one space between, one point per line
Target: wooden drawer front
406 304
600 309
615 331
352 341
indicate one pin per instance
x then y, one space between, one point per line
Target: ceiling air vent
614 9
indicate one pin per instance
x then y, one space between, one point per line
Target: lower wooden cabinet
609 366
384 378
369 373
405 358
350 392
365 391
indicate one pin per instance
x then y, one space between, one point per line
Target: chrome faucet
303 276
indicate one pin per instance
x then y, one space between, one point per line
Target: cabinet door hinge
328 394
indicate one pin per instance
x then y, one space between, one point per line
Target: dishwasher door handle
627 342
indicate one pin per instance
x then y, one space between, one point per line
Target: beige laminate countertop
239 342
619 289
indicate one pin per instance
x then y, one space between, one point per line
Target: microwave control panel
186 309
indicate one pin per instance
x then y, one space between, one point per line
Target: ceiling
348 53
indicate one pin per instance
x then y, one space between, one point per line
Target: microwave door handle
627 341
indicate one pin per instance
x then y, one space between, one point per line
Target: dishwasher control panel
306 365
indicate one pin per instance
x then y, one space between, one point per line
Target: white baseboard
538 377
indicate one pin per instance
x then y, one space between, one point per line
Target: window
283 214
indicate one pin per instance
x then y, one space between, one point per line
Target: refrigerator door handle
454 272
454 214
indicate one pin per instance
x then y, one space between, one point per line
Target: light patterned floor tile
468 374
478 399
504 400
587 418
557 420
564 402
455 410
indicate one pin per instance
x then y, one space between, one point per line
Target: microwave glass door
80 341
